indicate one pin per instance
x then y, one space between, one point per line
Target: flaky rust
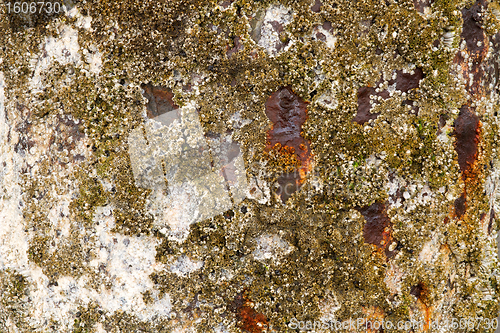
287 113
467 126
248 319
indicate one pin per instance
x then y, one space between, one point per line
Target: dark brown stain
418 290
278 27
364 106
160 100
378 228
327 25
460 206
466 132
226 4
248 319
287 113
421 292
238 46
476 47
320 36
420 5
494 69
288 184
317 6
404 83
472 31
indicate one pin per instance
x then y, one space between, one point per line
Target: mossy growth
14 293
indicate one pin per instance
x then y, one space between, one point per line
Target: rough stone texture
379 117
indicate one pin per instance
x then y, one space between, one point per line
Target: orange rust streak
248 319
251 320
287 113
427 311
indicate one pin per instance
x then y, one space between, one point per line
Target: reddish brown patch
420 5
404 83
460 206
327 25
421 292
467 138
248 319
317 6
288 112
467 125
364 105
160 100
378 228
238 46
476 48
418 290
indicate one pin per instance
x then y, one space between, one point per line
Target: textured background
369 136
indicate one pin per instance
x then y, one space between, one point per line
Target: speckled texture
82 246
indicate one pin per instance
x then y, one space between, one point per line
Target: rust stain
460 205
467 129
476 48
287 113
248 319
421 292
378 228
404 82
467 126
160 100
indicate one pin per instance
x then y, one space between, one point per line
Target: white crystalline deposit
191 179
271 247
126 262
183 266
269 36
63 49
13 242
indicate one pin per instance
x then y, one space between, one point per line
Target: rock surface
301 163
